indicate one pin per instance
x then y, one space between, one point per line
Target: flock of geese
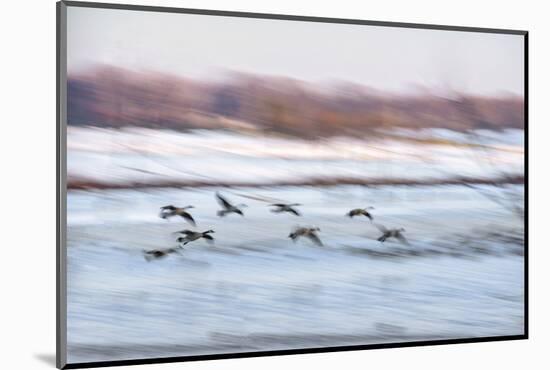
187 236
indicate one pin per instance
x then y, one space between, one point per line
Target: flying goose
391 233
359 212
159 253
171 211
282 207
309 232
194 235
228 207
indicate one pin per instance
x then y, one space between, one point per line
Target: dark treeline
114 97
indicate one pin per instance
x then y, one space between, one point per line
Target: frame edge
61 191
289 17
61 251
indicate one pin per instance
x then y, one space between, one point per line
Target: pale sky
385 58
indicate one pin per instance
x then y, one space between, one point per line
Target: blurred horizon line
228 76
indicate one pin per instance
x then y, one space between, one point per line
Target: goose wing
208 238
314 238
382 228
367 215
294 211
223 202
186 232
170 208
402 239
280 205
188 217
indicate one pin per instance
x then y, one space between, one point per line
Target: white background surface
27 266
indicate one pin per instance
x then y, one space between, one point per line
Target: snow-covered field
255 290
130 155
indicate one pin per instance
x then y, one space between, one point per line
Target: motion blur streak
447 169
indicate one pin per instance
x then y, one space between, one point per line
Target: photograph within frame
363 186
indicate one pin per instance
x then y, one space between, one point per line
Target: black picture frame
61 188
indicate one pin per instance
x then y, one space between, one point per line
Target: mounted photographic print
240 184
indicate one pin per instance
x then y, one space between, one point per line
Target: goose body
308 232
282 207
191 236
360 212
228 207
159 253
392 233
171 211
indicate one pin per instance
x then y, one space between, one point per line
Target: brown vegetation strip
79 184
272 105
